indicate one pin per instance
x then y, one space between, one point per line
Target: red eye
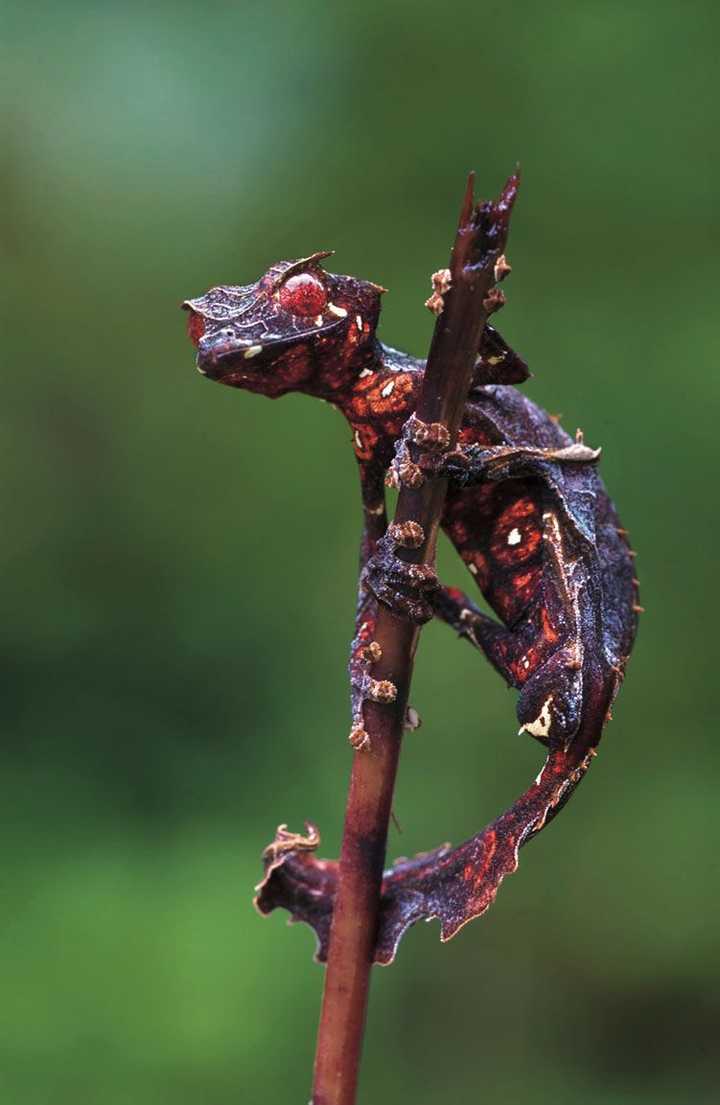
195 327
303 295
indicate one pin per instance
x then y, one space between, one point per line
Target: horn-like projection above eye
195 327
303 294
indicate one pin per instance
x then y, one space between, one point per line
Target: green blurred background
174 675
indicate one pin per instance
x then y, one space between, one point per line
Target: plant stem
480 240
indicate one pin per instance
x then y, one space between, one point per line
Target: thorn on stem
381 690
409 535
494 300
441 283
372 652
359 739
502 268
431 435
410 474
412 721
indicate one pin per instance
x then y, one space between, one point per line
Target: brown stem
479 242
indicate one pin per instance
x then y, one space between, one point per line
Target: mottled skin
529 516
525 507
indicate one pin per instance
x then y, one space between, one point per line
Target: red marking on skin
524 517
519 671
351 343
526 584
521 508
369 401
548 629
514 594
195 327
523 671
303 295
468 872
365 438
469 435
490 846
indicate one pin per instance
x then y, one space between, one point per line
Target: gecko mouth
224 353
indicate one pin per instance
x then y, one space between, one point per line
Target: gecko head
298 328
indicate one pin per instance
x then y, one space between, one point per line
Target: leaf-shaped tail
453 884
458 884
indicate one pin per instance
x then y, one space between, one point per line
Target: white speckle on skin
358 440
252 351
319 320
540 727
526 663
496 360
473 568
365 372
339 312
359 322
388 389
514 537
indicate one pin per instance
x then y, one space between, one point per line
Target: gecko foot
467 465
406 589
433 437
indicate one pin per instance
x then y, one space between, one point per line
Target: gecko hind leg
468 465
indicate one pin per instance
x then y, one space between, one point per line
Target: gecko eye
195 327
303 295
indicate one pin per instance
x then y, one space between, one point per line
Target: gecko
525 509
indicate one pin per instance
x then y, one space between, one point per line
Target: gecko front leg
407 588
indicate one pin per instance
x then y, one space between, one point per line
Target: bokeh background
173 674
